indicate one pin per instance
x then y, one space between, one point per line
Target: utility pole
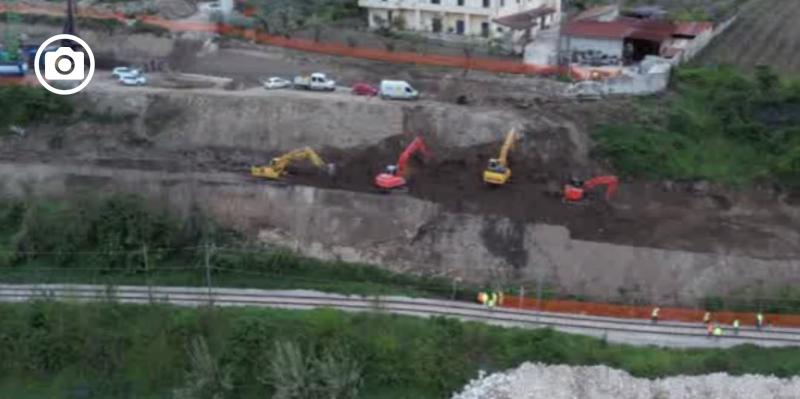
521 295
147 274
208 271
69 24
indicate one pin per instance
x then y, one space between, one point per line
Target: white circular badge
63 64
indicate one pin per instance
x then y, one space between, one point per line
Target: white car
133 80
119 72
276 83
398 90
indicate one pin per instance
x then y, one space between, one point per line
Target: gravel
536 381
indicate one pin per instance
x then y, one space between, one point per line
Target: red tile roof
692 29
622 28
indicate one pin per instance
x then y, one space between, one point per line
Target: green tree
205 378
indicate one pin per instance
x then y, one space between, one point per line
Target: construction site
489 180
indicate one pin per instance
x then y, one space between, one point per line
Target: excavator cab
497 172
577 191
394 177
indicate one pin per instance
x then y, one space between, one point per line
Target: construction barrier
336 49
342 50
642 312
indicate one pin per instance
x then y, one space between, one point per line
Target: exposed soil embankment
214 130
411 235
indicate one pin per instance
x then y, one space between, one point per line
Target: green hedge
107 350
720 125
21 105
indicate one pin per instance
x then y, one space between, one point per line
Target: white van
398 90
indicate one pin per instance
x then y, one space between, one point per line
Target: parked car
315 81
365 89
210 7
133 80
398 90
275 83
119 72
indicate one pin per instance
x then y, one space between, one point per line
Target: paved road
635 332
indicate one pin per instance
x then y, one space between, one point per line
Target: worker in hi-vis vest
759 320
482 298
654 314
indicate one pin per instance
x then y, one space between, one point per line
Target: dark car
365 89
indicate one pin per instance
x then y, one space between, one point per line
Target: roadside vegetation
21 105
108 25
122 239
106 350
718 125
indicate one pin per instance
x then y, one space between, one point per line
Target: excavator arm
413 148
611 183
277 167
508 145
498 172
395 176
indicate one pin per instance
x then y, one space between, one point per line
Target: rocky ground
535 381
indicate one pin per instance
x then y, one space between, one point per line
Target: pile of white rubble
538 381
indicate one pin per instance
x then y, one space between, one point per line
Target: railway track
630 331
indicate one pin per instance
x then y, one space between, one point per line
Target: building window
435 1
461 2
485 29
487 3
459 27
437 25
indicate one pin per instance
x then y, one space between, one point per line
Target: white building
483 18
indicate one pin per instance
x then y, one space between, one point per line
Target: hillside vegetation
766 33
107 350
721 125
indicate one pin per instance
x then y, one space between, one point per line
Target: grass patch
107 350
721 126
21 105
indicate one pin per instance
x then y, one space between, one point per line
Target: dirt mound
538 380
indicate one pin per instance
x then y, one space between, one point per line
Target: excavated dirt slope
215 130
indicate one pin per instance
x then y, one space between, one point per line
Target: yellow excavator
277 167
497 172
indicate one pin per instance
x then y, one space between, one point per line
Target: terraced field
766 32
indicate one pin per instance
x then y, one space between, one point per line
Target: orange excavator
395 175
576 191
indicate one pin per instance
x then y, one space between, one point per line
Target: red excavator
395 175
577 191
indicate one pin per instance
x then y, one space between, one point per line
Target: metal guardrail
636 332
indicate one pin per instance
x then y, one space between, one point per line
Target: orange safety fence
337 49
642 312
484 64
